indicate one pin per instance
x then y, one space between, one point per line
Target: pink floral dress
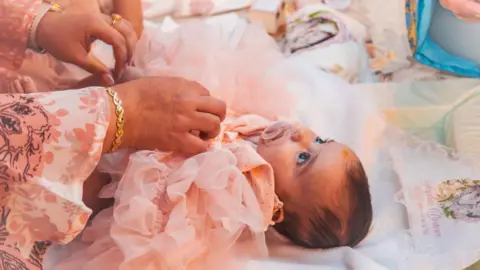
49 145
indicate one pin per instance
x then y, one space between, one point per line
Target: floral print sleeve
16 16
49 145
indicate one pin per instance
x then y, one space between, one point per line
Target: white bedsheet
387 245
327 105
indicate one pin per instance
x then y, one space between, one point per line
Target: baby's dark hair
318 226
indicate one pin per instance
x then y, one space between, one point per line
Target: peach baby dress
209 211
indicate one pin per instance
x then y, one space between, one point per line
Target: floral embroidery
460 199
89 101
49 144
40 170
24 128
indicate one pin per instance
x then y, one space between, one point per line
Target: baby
256 174
202 212
322 184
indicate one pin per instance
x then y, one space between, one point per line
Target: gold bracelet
120 118
45 7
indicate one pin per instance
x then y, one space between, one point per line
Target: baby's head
322 184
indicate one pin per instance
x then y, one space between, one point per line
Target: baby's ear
130 73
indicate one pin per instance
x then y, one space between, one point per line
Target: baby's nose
300 137
296 136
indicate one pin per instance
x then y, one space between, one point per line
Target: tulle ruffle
235 65
191 220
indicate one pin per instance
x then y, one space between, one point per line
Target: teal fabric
431 54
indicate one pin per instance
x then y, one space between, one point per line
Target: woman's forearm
132 11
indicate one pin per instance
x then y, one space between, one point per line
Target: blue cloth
427 51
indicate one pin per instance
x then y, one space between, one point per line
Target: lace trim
398 139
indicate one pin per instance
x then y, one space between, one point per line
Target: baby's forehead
326 176
329 174
342 152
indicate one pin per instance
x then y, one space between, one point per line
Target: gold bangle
120 118
54 6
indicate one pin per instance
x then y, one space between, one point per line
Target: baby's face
304 164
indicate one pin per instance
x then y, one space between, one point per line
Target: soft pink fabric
195 7
195 213
51 143
16 16
236 66
176 213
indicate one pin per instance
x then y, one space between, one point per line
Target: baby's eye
319 140
302 158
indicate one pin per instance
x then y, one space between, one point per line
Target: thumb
91 64
95 80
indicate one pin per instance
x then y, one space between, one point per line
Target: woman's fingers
466 10
471 8
468 19
111 36
125 28
89 62
207 104
97 79
208 125
192 145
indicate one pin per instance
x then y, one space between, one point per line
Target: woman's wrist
42 32
128 133
32 31
120 119
38 24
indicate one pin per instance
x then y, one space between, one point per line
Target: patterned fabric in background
322 36
411 22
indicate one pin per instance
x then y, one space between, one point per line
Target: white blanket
335 109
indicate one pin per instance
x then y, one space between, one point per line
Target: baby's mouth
275 131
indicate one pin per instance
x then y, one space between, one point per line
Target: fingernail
108 79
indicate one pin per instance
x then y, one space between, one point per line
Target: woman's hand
167 114
132 11
467 10
68 34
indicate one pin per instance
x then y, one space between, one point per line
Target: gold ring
116 18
